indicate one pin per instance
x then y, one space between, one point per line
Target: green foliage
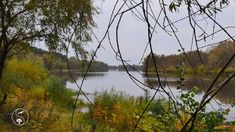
163 114
189 104
201 69
180 75
53 61
23 73
157 108
57 23
213 119
209 120
58 92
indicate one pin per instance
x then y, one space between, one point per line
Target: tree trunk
3 57
1 69
3 101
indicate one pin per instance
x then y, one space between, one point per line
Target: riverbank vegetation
30 86
67 25
115 111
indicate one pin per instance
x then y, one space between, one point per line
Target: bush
58 92
23 73
29 86
121 113
32 76
111 112
38 92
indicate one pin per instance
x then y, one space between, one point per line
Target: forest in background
204 62
57 62
214 58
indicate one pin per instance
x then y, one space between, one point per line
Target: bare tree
199 13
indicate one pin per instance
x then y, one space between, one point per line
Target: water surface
121 82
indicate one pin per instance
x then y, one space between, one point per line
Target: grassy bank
115 111
28 85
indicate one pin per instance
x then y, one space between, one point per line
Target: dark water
120 81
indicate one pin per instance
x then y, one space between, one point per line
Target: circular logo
19 116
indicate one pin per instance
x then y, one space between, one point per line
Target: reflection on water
226 95
116 79
120 81
66 77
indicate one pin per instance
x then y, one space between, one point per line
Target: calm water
120 81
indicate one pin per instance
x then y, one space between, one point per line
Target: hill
54 61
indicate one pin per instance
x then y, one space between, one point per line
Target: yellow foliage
41 111
117 117
27 85
17 97
23 70
98 113
38 93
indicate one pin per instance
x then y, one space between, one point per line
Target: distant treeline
129 68
214 58
57 62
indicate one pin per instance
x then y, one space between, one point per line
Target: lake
121 82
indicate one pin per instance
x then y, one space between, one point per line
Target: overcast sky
133 33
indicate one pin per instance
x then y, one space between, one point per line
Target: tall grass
118 112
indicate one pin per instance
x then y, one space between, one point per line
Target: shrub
23 73
38 92
120 112
58 92
29 86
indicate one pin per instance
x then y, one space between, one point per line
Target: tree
74 63
149 64
58 23
195 59
219 55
